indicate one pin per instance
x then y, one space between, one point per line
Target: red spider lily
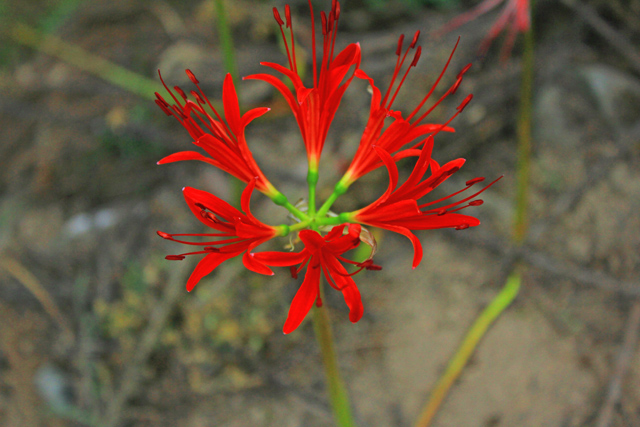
402 131
516 15
223 141
315 107
240 232
321 255
398 210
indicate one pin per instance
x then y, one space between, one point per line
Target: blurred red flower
516 15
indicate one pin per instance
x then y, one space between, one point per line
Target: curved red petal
304 299
206 266
196 198
187 155
354 302
253 114
231 105
249 260
280 259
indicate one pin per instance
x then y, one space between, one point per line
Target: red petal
354 302
417 246
280 259
187 155
304 299
206 266
294 77
231 106
245 200
312 240
249 261
250 115
393 175
196 197
281 87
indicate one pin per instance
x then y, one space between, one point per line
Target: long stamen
313 43
415 111
336 17
463 200
203 96
399 64
287 15
414 62
280 22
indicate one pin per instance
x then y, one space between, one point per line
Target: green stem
337 390
312 180
295 211
74 55
468 346
338 191
524 141
226 42
230 65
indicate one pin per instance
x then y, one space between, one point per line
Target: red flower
398 210
240 232
321 254
315 107
401 131
516 15
223 141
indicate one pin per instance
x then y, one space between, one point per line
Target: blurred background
97 329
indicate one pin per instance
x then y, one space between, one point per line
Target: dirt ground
96 328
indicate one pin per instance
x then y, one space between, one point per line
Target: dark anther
287 14
323 18
197 96
464 70
294 272
191 76
399 48
416 57
211 249
441 211
462 226
465 102
181 92
415 39
455 86
476 202
162 106
474 181
174 257
452 170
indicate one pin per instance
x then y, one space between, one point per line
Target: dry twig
32 284
629 344
613 37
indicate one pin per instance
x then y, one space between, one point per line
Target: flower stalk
523 166
467 348
337 391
